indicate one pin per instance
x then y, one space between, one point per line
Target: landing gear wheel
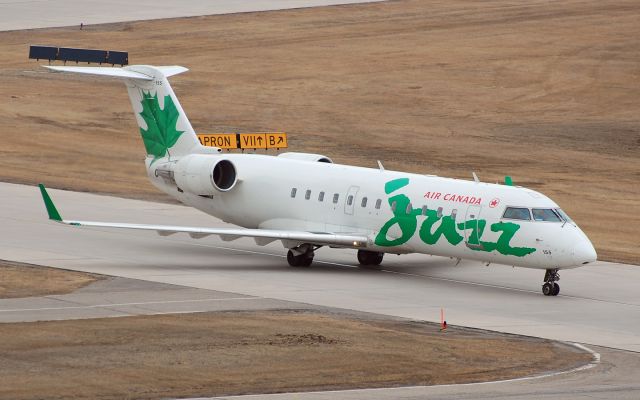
302 260
369 258
550 287
307 260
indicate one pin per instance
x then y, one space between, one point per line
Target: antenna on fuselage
475 177
380 166
508 181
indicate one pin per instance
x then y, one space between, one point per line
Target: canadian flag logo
494 203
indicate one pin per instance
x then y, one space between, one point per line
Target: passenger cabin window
321 196
394 205
517 213
424 210
408 209
439 212
350 200
378 204
545 214
364 202
336 196
293 192
454 213
307 195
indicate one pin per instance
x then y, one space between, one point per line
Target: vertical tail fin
164 127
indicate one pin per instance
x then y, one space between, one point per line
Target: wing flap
263 241
228 234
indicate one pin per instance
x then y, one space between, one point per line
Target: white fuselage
305 201
399 212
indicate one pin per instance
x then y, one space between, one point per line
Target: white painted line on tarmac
372 269
596 356
128 304
435 278
594 362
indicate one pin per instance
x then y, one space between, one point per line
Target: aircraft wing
261 236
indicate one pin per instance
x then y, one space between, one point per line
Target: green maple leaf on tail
161 133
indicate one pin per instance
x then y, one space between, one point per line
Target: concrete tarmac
28 14
241 275
599 304
121 297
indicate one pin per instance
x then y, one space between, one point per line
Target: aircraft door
471 232
350 200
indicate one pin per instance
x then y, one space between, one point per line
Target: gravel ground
209 354
22 280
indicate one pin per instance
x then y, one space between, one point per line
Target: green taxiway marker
51 208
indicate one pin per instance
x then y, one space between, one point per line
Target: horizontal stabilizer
124 73
103 71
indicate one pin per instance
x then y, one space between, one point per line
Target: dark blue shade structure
79 55
82 55
43 53
118 57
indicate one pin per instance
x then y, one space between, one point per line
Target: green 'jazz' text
430 232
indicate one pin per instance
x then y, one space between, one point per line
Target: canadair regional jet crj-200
306 201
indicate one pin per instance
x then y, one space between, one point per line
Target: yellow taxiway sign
262 140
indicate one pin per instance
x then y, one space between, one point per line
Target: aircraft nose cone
584 253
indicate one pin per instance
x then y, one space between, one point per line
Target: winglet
51 208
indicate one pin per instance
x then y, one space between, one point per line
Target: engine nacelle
205 174
307 157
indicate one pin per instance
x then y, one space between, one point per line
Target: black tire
363 257
377 258
547 289
369 257
303 260
306 260
292 260
556 289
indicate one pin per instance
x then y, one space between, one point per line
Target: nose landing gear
550 287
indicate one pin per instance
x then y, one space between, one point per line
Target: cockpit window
517 213
563 215
545 214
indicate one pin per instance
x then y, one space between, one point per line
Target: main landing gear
301 256
550 287
369 258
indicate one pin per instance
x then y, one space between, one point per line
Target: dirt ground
23 280
212 354
208 354
545 92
